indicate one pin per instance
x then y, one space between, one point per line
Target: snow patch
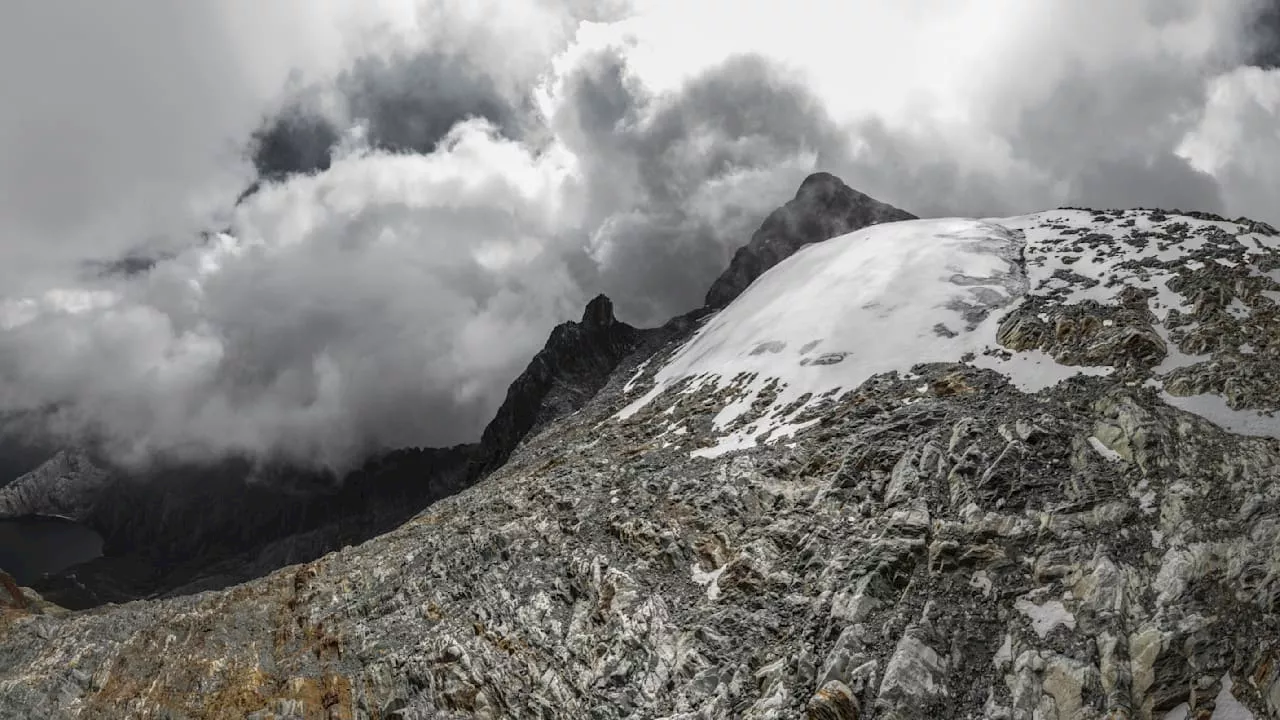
892 295
1225 706
1174 358
1106 452
1044 618
1214 408
1035 370
711 579
635 377
981 582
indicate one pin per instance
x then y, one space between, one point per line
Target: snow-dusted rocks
838 312
1178 302
1189 304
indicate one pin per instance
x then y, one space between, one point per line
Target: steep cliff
575 363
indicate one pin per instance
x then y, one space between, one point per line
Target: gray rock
833 701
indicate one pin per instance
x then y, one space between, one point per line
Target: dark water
18 459
33 546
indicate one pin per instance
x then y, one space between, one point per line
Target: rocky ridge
1080 520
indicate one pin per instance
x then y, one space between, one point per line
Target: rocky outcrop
575 363
823 208
68 484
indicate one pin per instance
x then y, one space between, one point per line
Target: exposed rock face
823 208
936 541
67 485
574 365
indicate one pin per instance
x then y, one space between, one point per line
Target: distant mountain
953 468
183 528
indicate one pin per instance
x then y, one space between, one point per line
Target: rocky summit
1017 468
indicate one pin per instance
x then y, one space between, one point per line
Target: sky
308 229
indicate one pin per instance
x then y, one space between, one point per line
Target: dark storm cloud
1114 144
678 182
406 102
1262 35
410 103
297 141
1164 181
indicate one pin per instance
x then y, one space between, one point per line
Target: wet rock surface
937 542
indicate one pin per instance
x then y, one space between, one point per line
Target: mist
349 226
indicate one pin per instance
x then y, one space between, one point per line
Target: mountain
823 208
183 528
954 468
574 365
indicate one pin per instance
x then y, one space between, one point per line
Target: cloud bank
434 185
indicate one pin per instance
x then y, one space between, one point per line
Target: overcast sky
435 184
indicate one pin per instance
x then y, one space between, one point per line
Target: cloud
293 142
679 180
400 103
390 298
440 183
1262 35
1237 142
125 121
353 311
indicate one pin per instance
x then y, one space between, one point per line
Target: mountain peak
823 207
576 361
599 312
821 183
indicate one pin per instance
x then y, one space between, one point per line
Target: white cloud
1237 141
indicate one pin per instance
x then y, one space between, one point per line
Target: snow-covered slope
891 296
838 312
